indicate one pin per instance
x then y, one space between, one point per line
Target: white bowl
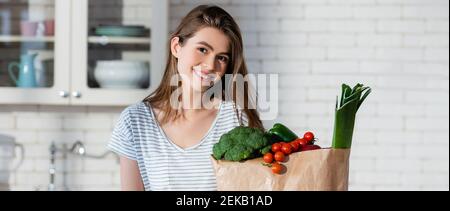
122 74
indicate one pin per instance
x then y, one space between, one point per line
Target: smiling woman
203 59
208 42
167 147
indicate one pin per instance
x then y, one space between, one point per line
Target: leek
345 114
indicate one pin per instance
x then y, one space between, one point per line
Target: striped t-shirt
162 164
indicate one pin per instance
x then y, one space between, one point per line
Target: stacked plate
119 30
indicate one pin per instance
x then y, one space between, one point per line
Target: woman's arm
130 178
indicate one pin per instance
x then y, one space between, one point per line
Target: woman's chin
200 89
201 85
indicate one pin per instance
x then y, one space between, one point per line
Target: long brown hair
201 17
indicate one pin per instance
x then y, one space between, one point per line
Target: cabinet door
118 50
34 52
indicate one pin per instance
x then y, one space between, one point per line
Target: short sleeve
122 141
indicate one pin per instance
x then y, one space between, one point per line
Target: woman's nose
210 65
206 69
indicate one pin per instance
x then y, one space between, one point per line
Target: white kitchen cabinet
88 34
18 35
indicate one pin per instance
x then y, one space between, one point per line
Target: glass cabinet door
113 51
34 39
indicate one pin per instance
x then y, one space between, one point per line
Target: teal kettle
27 76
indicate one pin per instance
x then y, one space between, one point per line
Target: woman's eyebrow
210 47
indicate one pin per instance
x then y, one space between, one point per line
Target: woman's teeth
203 76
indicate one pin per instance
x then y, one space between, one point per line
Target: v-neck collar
161 131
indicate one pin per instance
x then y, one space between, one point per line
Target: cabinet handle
76 94
64 94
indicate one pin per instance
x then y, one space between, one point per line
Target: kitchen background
398 47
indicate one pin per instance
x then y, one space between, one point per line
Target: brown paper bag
316 170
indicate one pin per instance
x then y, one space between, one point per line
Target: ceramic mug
28 28
49 27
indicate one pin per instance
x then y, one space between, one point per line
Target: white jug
8 149
43 56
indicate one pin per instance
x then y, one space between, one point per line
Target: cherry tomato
286 149
268 158
295 146
279 156
277 168
276 147
302 142
309 136
310 147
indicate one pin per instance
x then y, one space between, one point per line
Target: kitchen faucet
77 149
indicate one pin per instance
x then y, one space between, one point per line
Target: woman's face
203 59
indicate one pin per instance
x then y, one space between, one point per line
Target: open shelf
92 39
104 40
18 38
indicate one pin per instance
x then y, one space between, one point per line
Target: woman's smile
202 74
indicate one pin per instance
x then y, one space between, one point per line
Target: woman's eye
223 59
203 50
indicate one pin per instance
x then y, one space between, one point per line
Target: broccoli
266 149
242 143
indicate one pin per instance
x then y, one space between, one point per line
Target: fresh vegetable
308 139
302 141
286 149
310 147
277 168
284 133
266 150
268 157
242 143
309 136
345 114
281 150
276 147
279 156
295 146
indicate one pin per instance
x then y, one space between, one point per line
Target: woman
165 142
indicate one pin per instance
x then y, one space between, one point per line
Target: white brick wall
38 126
398 47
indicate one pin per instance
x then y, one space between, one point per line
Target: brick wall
398 47
37 126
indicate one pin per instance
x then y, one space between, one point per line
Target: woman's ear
175 46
